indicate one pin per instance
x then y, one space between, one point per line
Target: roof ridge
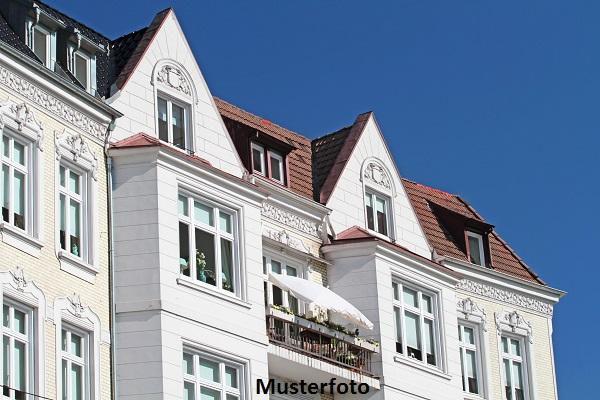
128 34
431 187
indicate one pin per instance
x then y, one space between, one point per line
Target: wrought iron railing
315 343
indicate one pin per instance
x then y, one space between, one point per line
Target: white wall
347 201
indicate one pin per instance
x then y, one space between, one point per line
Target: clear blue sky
494 100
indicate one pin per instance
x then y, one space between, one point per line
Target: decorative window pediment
172 77
76 149
378 176
20 117
471 311
512 321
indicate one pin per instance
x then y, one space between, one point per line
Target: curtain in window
227 264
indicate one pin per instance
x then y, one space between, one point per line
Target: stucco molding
375 174
505 296
78 149
290 220
514 322
283 237
52 104
472 311
172 76
23 117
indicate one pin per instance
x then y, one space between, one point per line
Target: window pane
19 153
276 169
6 363
413 335
397 321
427 304
188 364
225 222
76 344
209 370
63 221
474 253
504 345
19 321
205 257
5 193
209 394
370 215
515 347
290 271
64 340
6 316
182 205
61 175
381 210
469 336
258 160
276 266
74 224
40 42
518 379
471 371
163 130
462 370
5 146
227 264
19 200
507 379
203 213
396 291
429 342
178 121
277 296
188 391
81 70
65 380
76 382
232 397
19 365
184 249
74 182
231 377
411 298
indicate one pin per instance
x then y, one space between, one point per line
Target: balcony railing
315 343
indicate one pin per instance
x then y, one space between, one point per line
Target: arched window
379 192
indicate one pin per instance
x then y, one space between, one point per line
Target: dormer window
42 41
475 248
377 213
268 162
81 61
81 69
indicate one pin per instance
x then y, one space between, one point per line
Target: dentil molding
505 296
289 219
52 104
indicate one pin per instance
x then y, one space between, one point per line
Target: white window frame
374 195
434 316
88 70
48 34
25 170
170 100
479 237
260 148
217 233
512 359
478 348
27 339
82 361
278 156
198 382
285 263
82 199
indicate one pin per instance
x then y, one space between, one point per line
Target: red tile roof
330 155
504 259
299 158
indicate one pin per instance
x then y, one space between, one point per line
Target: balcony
320 342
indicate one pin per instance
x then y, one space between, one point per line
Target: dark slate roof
121 50
8 36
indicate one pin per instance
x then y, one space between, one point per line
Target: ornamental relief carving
78 147
505 296
284 238
173 77
23 116
470 309
376 174
50 103
515 323
289 219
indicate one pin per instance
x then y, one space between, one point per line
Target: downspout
111 263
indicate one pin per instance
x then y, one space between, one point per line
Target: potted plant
201 265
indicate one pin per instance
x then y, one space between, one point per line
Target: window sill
471 396
211 290
20 239
77 267
419 365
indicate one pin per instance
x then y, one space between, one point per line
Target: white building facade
211 207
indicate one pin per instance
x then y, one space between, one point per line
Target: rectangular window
17 350
72 209
258 159
41 44
275 295
172 122
276 163
14 178
210 378
471 362
475 243
75 365
377 213
81 69
513 367
415 322
207 243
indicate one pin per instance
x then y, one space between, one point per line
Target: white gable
371 165
169 66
